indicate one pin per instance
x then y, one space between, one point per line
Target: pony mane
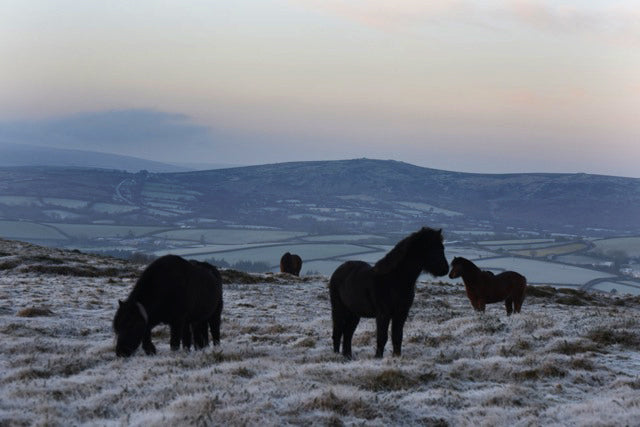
465 264
392 259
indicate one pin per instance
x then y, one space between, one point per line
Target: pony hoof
150 351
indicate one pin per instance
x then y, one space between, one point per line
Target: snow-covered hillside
568 358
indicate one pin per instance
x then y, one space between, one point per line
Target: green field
552 250
513 242
92 231
629 245
23 230
112 208
542 272
344 238
618 287
272 254
65 203
60 214
167 196
226 236
20 201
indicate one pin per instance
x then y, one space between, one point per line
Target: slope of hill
353 195
33 155
568 358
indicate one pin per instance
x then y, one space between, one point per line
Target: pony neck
469 269
410 268
143 312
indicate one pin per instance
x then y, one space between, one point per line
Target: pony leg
508 303
338 317
200 335
186 336
518 303
382 332
176 334
349 328
397 326
214 325
480 304
147 345
336 335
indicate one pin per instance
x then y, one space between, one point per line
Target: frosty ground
568 358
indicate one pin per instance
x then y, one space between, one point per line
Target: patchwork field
568 359
564 262
629 245
542 272
29 230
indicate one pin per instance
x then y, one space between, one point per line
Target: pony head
432 244
424 248
129 324
456 268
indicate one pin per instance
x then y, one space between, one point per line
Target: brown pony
290 263
483 287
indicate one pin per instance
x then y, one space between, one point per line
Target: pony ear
120 303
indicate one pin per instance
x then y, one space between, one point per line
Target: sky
478 86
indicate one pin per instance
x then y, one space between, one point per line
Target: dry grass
329 401
388 380
608 336
34 312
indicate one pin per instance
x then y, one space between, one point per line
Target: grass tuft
606 336
540 291
34 312
389 380
243 372
329 401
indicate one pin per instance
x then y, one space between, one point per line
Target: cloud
617 21
143 133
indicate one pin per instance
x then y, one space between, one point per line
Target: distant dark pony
483 287
384 291
290 263
171 290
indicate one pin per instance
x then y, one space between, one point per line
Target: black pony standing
176 292
384 291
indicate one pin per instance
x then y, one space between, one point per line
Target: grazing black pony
384 291
290 263
173 291
483 287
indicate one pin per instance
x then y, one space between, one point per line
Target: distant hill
350 195
33 155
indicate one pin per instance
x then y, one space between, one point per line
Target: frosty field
568 358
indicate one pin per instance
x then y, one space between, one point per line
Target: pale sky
479 86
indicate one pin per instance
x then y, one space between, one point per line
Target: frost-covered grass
555 363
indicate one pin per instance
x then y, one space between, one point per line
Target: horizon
507 87
200 166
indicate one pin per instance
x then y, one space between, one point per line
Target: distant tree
618 257
222 263
251 266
